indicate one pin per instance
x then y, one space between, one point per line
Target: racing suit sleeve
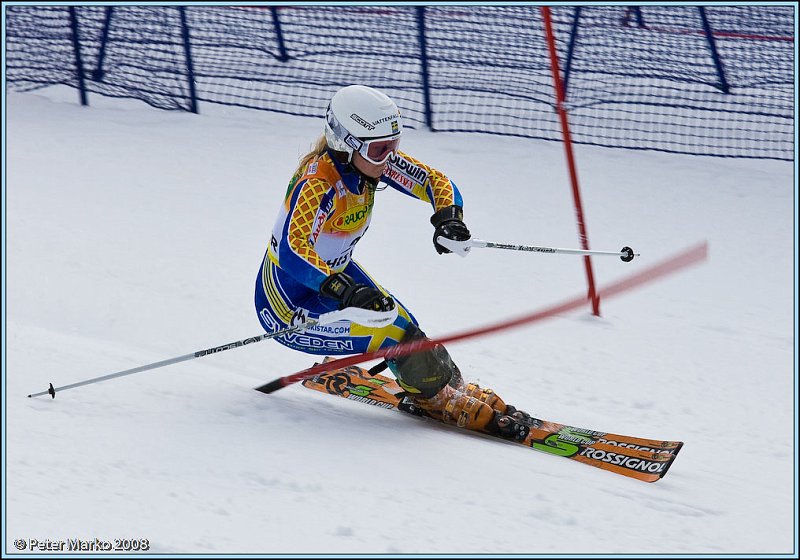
416 179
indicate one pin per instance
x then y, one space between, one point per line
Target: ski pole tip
50 391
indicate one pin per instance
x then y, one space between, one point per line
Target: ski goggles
377 150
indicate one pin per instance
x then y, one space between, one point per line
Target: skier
308 267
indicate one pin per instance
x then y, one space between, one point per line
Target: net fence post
187 47
276 23
570 49
423 52
712 46
76 45
99 72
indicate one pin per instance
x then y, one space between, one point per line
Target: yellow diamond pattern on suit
442 191
302 222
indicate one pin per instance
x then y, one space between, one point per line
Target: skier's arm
414 178
421 181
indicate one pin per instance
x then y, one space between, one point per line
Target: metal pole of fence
76 44
573 35
712 45
639 18
423 51
187 47
98 73
276 22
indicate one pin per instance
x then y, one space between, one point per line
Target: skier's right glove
348 293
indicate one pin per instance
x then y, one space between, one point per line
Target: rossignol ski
643 459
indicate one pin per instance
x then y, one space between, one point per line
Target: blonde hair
317 149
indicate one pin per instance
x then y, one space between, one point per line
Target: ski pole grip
364 317
460 248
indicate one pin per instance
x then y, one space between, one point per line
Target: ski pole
684 259
353 314
626 254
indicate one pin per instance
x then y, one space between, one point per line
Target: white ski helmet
365 120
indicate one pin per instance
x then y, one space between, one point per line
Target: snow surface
134 235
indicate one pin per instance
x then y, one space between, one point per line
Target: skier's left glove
449 224
344 289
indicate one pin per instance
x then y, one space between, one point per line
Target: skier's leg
430 376
436 385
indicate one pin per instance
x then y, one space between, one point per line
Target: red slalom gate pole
670 265
573 172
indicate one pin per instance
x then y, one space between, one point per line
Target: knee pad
424 373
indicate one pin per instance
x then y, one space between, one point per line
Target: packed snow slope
134 235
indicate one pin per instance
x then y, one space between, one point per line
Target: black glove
341 287
448 223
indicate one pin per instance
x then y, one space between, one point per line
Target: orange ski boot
476 409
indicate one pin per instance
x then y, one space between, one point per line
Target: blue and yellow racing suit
326 211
